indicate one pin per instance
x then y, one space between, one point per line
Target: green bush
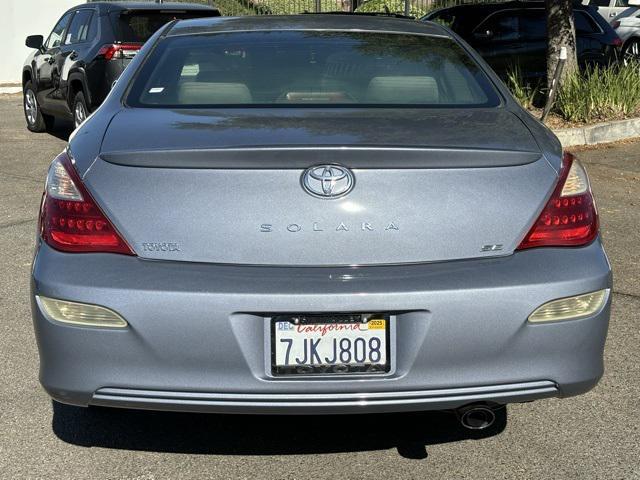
526 93
592 95
600 93
233 7
394 6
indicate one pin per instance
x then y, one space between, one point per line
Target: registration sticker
377 324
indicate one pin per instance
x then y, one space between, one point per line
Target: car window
296 68
622 3
446 18
55 37
92 31
600 3
533 25
585 24
138 26
501 26
79 28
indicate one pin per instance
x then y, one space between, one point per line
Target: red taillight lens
70 219
570 217
617 42
117 51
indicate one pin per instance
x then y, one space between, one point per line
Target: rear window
585 24
283 68
138 26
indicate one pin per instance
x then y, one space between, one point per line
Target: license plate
330 344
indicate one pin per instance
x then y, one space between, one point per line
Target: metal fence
415 8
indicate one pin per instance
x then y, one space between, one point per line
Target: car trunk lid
215 187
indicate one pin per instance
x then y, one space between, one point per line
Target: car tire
36 120
80 110
631 51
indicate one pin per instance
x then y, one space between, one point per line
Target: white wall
19 19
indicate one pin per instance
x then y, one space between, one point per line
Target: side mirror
34 41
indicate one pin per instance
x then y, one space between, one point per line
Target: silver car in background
624 16
316 214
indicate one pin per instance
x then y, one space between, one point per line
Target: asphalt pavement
594 436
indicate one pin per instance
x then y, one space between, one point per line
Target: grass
593 95
525 92
600 93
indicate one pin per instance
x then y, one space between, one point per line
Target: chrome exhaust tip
476 417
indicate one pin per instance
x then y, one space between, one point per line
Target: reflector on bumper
570 308
81 314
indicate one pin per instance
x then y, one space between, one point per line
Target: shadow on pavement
261 435
62 129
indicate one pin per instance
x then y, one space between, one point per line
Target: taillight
617 42
70 219
117 51
570 217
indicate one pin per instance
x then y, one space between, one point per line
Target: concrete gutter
9 88
606 132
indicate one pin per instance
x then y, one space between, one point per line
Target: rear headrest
209 93
403 90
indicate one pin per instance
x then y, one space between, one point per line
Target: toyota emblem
328 181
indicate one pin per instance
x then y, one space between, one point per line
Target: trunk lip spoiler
301 157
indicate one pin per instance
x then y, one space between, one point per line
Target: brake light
70 219
117 51
570 217
617 42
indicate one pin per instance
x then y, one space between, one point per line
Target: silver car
316 214
624 17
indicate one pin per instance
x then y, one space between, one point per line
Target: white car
612 9
624 16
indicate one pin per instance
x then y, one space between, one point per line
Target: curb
10 90
606 132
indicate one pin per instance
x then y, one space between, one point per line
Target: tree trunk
560 26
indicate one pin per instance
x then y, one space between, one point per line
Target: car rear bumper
198 334
322 403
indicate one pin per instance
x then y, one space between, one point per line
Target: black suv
511 33
71 73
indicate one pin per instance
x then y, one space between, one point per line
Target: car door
497 40
534 40
45 62
610 9
621 9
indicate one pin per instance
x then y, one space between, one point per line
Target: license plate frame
321 370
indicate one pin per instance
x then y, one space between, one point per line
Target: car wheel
80 110
631 52
36 120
